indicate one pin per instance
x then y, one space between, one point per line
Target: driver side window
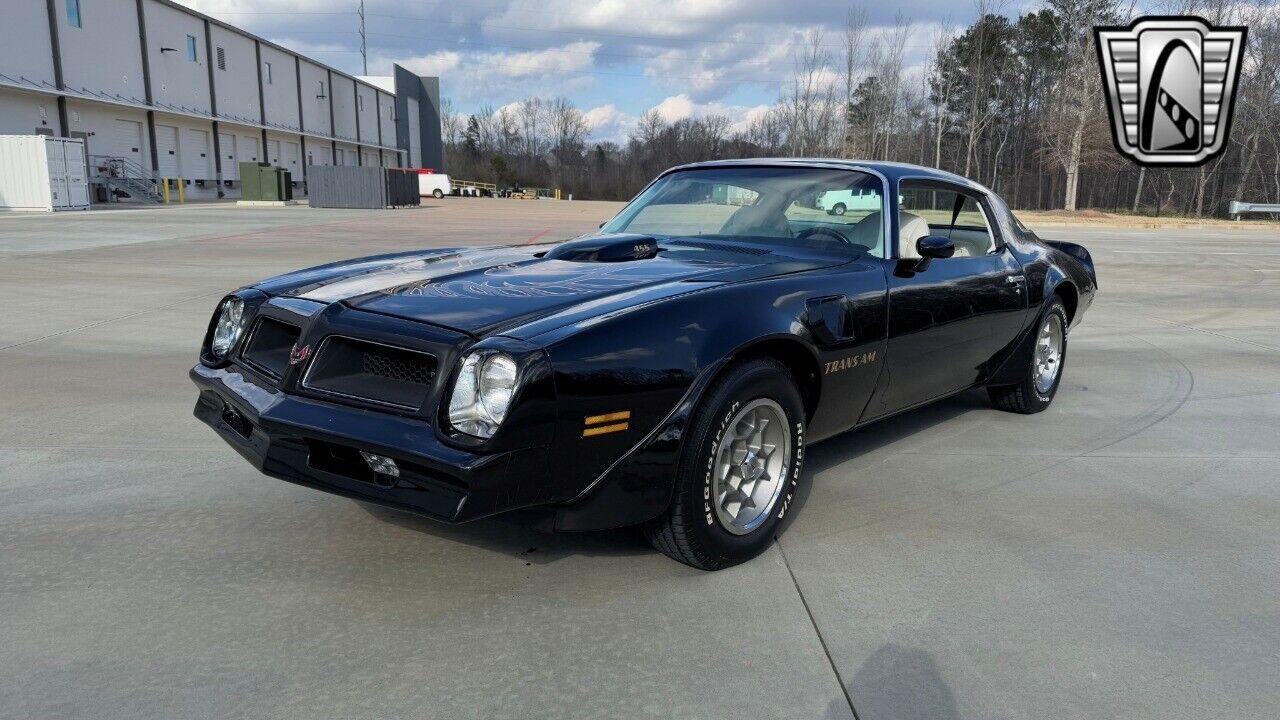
931 209
849 213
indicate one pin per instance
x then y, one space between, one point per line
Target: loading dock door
167 151
230 163
197 157
127 142
247 148
291 159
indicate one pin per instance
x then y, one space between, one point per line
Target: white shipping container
42 173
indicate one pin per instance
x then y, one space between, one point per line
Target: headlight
482 393
229 328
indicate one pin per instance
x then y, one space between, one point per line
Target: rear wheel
839 209
437 193
1044 371
739 470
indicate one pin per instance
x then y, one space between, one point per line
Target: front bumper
316 444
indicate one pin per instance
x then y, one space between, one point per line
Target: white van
839 202
436 185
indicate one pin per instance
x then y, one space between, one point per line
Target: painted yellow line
597 419
602 429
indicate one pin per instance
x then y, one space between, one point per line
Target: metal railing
122 175
1238 208
474 187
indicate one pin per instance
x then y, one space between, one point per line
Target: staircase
124 178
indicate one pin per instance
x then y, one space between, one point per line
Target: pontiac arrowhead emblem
299 355
1170 84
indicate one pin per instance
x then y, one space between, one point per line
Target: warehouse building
157 90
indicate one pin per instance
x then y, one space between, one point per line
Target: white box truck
436 185
42 173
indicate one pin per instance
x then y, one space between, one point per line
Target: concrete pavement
1115 556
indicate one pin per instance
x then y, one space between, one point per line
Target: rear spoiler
1076 251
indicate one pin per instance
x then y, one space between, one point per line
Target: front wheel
437 193
1044 371
739 470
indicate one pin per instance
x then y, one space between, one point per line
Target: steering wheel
815 231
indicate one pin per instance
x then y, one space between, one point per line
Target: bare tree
1078 90
810 107
854 66
943 87
568 130
529 114
451 123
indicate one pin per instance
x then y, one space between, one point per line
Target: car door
951 320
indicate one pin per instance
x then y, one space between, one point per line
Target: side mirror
929 248
935 246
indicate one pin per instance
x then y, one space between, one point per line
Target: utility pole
364 47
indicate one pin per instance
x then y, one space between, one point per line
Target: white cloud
602 116
681 107
440 63
676 107
568 58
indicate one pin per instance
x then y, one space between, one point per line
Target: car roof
891 170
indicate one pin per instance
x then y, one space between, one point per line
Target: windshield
812 208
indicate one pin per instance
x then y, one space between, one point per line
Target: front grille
372 372
397 365
269 345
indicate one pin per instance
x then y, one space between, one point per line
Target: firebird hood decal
487 290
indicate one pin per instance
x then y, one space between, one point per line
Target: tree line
1015 103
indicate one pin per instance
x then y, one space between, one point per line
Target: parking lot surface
1115 556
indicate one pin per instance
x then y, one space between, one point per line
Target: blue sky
614 58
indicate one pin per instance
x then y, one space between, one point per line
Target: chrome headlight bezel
482 393
247 301
228 327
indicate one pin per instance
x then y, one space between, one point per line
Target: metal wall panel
415 129
344 186
176 81
104 56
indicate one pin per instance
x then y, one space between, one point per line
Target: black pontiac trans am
667 371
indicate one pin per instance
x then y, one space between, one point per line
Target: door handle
1015 279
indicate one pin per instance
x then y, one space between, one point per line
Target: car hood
483 291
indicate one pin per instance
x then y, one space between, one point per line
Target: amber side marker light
607 423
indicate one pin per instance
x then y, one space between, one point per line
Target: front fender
655 363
